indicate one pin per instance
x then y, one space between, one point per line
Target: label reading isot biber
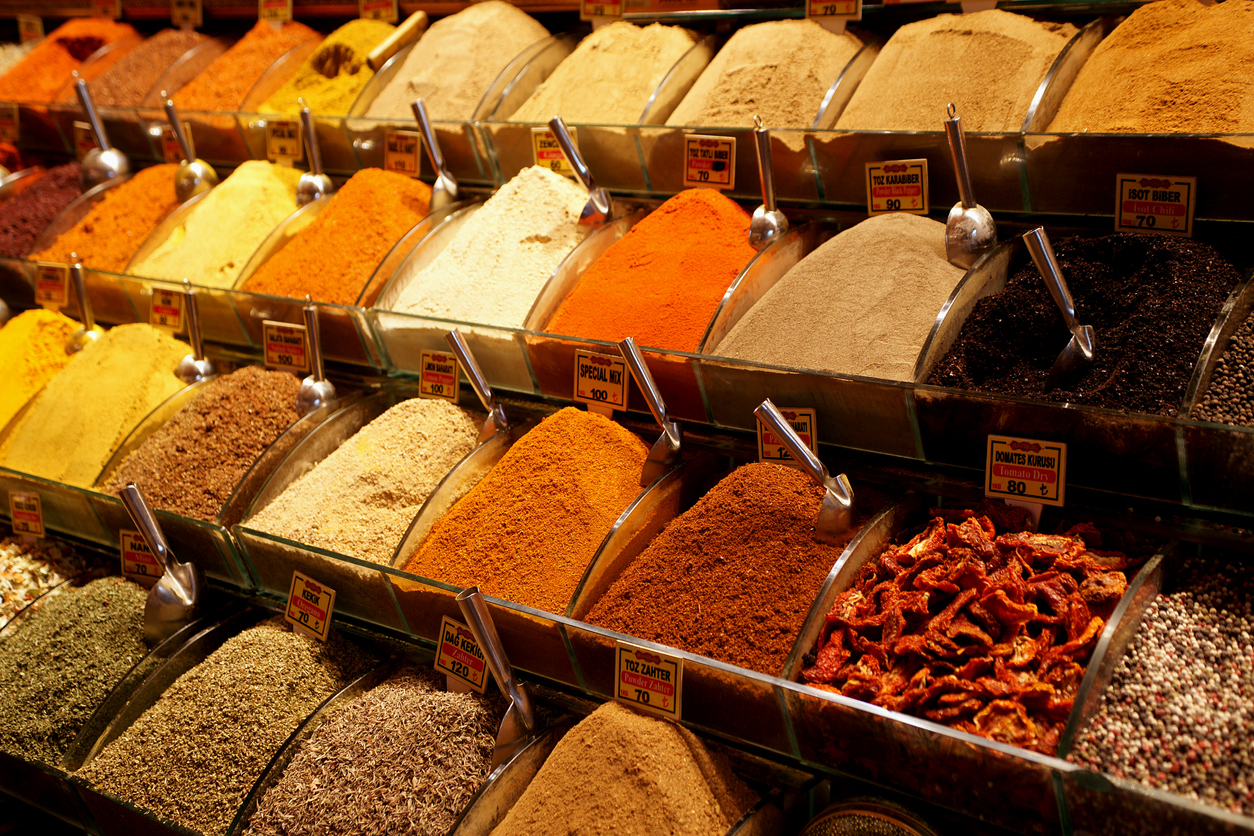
439 376
709 161
138 561
52 282
26 513
600 380
166 310
897 186
400 152
309 606
1026 469
1155 203
287 346
459 656
549 154
771 448
649 680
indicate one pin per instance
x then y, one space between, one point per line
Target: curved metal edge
9 184
845 85
161 232
682 75
1061 75
278 238
156 418
69 217
564 43
1236 309
513 71
390 295
506 784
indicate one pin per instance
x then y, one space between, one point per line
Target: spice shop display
225 83
32 352
1229 399
47 68
334 74
29 569
26 214
11 54
129 81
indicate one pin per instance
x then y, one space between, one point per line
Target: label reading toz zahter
600 379
709 161
166 310
287 346
897 186
458 655
309 606
1026 469
549 154
138 561
649 680
1155 203
439 376
52 284
772 449
400 152
26 511
283 140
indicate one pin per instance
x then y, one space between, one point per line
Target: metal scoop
665 453
90 331
315 390
768 222
1078 353
313 184
194 176
105 162
600 206
519 722
836 516
194 367
497 422
173 602
445 189
970 230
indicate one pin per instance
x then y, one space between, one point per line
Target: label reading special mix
600 380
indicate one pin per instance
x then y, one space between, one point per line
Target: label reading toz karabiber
897 186
709 161
772 449
1026 469
649 680
287 346
283 140
458 655
52 284
26 511
400 152
138 561
166 310
309 606
439 376
549 154
1155 203
601 379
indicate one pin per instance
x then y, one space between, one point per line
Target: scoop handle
176 124
770 415
1047 263
144 520
193 321
766 166
80 290
958 150
644 379
562 133
478 381
315 341
311 141
434 152
89 107
475 610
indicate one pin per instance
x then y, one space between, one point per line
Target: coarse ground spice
622 773
10 54
1152 299
32 351
528 530
361 499
26 214
110 233
47 68
661 282
1178 711
130 80
28 570
1230 397
334 257
405 758
225 83
196 753
331 78
192 463
61 664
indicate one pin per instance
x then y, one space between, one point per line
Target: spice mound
661 282
1152 299
130 80
528 530
47 68
979 626
61 664
196 753
32 352
28 570
423 749
1228 400
84 413
27 213
334 74
647 776
110 233
334 257
224 83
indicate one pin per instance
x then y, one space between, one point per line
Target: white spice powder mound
496 265
361 499
863 303
989 64
779 70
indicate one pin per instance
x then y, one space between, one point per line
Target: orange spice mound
224 83
39 76
334 257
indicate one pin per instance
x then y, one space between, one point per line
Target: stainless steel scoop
600 205
173 602
445 190
970 230
1077 355
836 515
193 176
90 331
105 162
315 390
666 451
496 422
519 722
193 367
313 184
768 222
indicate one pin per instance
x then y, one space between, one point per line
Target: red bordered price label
649 680
378 10
459 656
187 13
600 380
283 140
440 376
26 511
309 606
166 310
548 153
30 28
772 449
287 346
709 161
897 186
52 283
589 9
1026 469
10 128
278 10
111 9
839 10
1155 203
170 148
138 561
400 152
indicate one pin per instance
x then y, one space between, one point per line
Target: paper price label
549 154
287 346
30 28
170 148
283 140
458 655
439 376
709 161
26 511
1155 203
279 10
166 310
10 129
52 284
111 9
309 606
772 449
84 139
378 10
649 680
138 561
601 380
1025 469
400 152
897 186
841 9
589 9
187 14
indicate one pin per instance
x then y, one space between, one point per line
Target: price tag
897 186
709 161
84 139
52 283
138 561
27 513
287 346
283 140
279 10
839 10
1155 203
1025 469
166 310
112 9
400 152
30 28
170 148
309 606
187 14
549 154
772 449
589 9
378 10
10 129
649 680
600 380
458 655
439 376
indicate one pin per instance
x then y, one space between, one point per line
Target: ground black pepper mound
1151 298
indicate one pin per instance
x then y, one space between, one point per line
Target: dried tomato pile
984 632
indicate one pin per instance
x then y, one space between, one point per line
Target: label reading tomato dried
439 376
709 161
287 346
10 128
649 680
1155 203
26 513
187 14
1026 469
276 10
385 10
52 283
600 380
166 310
309 606
549 154
400 152
283 140
897 186
138 562
84 140
771 448
30 28
459 657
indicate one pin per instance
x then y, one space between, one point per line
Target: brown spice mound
224 83
129 81
47 68
26 214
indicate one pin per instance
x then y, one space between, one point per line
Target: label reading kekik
549 154
309 606
52 284
287 346
26 511
439 376
400 152
10 128
771 448
649 680
166 310
709 161
283 140
897 186
600 379
1153 203
458 655
1026 469
138 561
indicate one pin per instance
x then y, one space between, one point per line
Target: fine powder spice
32 351
47 68
624 773
361 499
334 257
499 261
610 76
84 413
10 54
779 70
1228 400
61 664
455 62
196 753
1175 66
26 214
662 282
129 81
331 78
226 227
930 63
528 530
1151 299
891 278
225 83
420 749
110 233
193 462
28 570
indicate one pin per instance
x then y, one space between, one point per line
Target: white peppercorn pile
1230 398
1178 713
